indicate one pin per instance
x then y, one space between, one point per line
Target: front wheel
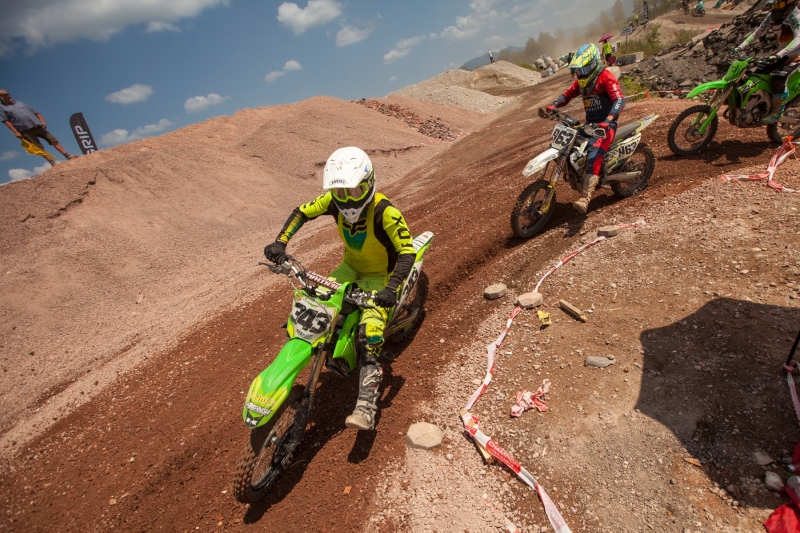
268 451
678 6
684 137
642 160
527 217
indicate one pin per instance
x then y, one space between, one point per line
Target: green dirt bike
746 89
627 167
322 330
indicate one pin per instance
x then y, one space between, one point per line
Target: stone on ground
529 300
424 436
762 458
608 231
495 291
598 362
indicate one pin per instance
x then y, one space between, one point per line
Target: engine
759 105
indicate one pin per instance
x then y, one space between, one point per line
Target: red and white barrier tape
550 509
786 150
491 350
570 255
790 368
553 515
528 400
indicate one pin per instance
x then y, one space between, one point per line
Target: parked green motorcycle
322 330
747 92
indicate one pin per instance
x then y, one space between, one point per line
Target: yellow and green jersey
372 245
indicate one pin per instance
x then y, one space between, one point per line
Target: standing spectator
607 50
636 18
491 58
27 123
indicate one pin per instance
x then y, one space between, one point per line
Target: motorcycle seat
628 130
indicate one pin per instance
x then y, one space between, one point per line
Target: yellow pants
373 321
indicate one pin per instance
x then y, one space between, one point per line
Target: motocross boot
589 184
778 105
363 417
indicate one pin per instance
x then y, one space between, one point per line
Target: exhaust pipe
623 176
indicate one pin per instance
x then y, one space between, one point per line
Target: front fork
551 186
298 429
715 103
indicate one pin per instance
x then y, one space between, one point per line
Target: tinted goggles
343 194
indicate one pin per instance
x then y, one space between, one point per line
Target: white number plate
562 137
310 319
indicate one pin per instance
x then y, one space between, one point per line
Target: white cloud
36 24
120 136
393 78
153 27
198 103
134 93
17 174
274 75
316 13
292 65
402 49
288 67
470 25
8 156
351 34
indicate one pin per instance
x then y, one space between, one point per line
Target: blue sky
137 68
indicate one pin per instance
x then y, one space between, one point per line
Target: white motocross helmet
350 177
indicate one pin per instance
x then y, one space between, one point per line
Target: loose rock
773 481
762 458
598 362
424 436
529 300
495 291
608 231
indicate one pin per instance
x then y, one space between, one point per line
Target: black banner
645 12
82 133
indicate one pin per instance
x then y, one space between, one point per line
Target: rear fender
421 244
271 387
710 86
538 163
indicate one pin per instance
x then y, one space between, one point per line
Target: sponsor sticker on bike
258 409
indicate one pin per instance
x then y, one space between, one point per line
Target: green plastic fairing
710 86
272 385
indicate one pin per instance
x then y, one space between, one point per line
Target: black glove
386 298
275 252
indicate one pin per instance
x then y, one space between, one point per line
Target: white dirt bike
627 167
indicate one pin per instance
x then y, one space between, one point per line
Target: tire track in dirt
157 450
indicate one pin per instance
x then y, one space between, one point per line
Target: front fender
537 163
709 86
272 385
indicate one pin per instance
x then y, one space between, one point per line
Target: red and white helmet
349 176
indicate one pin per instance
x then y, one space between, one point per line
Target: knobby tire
628 189
527 204
689 114
249 490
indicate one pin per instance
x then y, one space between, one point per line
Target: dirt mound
464 89
432 127
111 257
706 57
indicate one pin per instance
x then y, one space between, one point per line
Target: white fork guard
537 163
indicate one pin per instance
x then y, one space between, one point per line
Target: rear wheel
778 131
268 451
684 137
412 313
643 160
527 217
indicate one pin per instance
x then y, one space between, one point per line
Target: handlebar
592 130
309 280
